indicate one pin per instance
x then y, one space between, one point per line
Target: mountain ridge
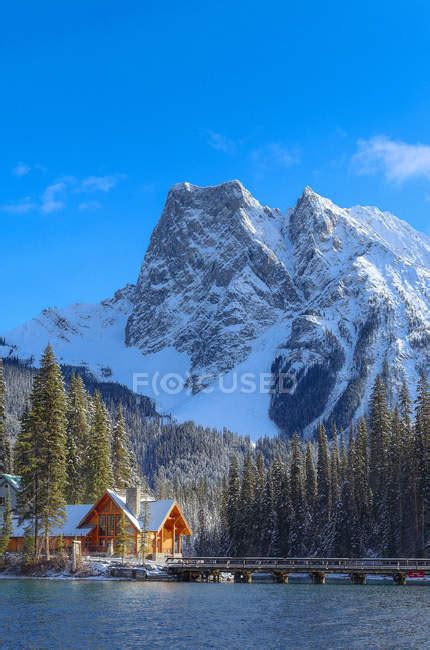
321 298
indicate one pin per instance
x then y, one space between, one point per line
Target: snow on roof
74 514
122 504
12 479
158 510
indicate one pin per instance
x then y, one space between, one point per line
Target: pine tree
122 538
408 477
99 468
335 491
296 540
345 521
27 463
269 541
379 420
281 507
41 451
334 475
231 500
246 510
259 505
324 515
310 500
323 475
310 480
422 432
362 492
77 440
122 461
343 457
5 446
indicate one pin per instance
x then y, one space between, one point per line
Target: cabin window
2 501
109 526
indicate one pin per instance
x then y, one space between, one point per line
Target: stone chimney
132 499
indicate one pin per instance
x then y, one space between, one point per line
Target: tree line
356 495
68 450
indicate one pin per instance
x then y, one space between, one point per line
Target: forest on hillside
359 492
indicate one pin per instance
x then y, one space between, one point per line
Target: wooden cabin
154 526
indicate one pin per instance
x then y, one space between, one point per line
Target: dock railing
301 565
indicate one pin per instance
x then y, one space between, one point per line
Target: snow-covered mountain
306 306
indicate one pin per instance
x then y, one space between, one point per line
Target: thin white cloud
274 155
21 169
50 198
220 142
100 183
54 197
397 160
24 206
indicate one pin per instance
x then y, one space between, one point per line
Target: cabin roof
74 514
126 510
158 511
13 480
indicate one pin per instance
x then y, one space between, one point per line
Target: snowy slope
309 306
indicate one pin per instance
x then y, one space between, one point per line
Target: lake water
42 614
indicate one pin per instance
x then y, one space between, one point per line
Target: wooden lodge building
159 525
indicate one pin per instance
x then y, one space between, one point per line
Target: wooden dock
243 569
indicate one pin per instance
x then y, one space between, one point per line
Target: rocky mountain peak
325 297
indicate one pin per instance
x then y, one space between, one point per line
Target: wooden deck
209 568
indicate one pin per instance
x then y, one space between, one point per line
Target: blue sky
105 105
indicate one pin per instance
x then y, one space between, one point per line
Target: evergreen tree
5 446
343 457
379 421
259 505
246 511
362 493
296 499
422 429
122 539
408 477
269 536
334 476
346 521
77 440
310 500
122 462
280 488
99 468
231 500
324 515
41 452
393 499
27 463
310 480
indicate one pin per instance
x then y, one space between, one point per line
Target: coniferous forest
364 491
